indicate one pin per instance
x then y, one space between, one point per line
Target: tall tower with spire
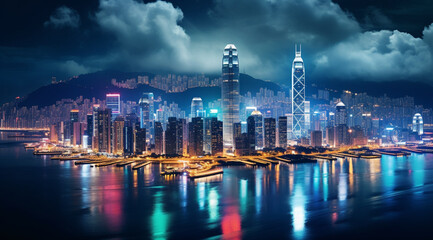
230 95
298 95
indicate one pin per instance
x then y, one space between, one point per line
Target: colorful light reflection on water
280 201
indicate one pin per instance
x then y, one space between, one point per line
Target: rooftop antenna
297 53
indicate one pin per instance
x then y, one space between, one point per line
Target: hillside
99 83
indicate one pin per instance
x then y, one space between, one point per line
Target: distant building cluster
169 83
235 124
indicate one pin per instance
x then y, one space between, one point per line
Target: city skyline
216 119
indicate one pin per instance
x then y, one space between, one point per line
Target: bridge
25 130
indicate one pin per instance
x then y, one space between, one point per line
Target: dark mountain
99 83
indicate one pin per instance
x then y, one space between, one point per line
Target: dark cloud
63 17
147 35
340 39
379 55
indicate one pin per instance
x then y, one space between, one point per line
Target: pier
140 165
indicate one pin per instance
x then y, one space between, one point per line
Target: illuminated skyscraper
282 132
217 136
196 107
89 131
112 101
418 124
118 135
147 119
298 96
103 130
258 120
196 136
340 114
159 138
270 132
131 122
230 94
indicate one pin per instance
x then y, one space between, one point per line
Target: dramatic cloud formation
381 55
351 40
63 17
147 35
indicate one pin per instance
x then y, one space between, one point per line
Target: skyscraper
112 100
147 119
270 133
340 114
159 138
89 131
77 133
207 138
174 136
251 134
217 136
298 96
196 137
258 120
282 132
170 136
74 115
418 124
131 121
230 94
118 135
74 127
103 130
94 139
140 140
196 107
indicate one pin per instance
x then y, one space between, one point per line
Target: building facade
230 94
298 96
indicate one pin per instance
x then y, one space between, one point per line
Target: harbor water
385 198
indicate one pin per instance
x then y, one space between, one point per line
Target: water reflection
280 201
297 203
213 205
258 186
243 195
231 223
160 220
417 163
388 167
201 195
325 181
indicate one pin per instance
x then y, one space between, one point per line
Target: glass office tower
298 96
230 94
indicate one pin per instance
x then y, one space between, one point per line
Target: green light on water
160 220
213 205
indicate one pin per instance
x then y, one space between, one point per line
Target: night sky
341 40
